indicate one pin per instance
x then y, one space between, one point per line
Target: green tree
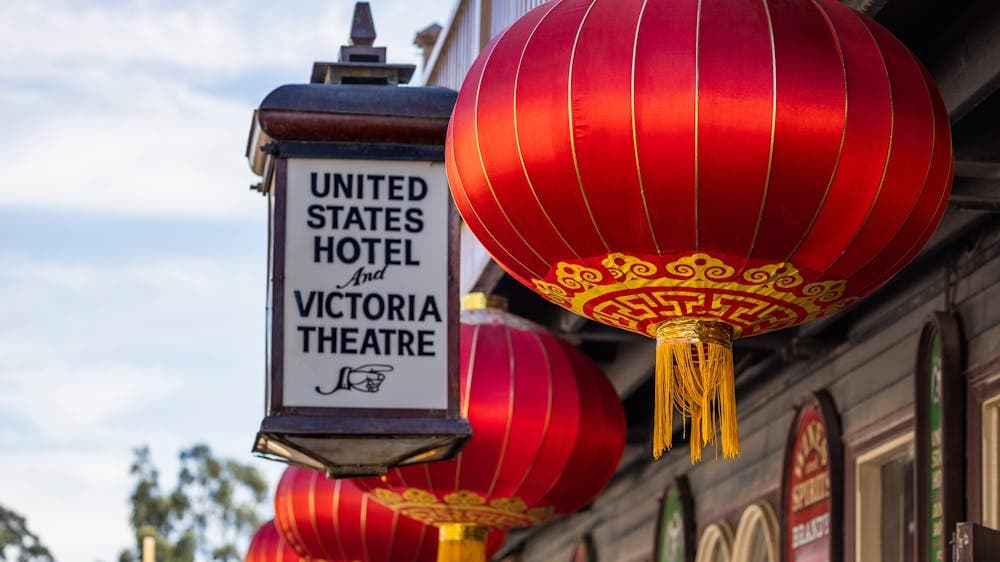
17 542
211 513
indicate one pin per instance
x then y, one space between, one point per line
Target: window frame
716 533
983 387
860 443
756 514
681 487
868 493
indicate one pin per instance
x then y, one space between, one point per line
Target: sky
132 253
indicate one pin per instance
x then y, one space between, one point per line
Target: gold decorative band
695 330
479 301
639 292
463 506
461 532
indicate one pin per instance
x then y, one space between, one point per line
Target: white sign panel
366 284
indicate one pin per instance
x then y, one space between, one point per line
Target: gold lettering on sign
810 492
936 438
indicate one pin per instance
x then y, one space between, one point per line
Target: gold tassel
694 375
461 542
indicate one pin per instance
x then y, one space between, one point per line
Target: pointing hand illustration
366 378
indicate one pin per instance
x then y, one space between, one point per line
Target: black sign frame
823 402
690 531
285 428
946 327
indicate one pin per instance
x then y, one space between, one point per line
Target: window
715 544
757 535
991 463
885 502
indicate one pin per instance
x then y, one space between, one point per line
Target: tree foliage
210 514
17 542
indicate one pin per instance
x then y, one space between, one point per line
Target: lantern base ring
461 542
695 376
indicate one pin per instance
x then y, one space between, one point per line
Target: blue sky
131 251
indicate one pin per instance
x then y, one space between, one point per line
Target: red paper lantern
269 546
699 170
335 520
548 433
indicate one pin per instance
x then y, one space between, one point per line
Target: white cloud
196 36
160 149
165 311
128 111
224 36
139 108
66 403
106 357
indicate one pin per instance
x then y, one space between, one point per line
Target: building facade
866 436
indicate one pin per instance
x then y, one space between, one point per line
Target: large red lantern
268 545
699 170
336 521
548 433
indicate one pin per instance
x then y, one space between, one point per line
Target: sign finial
363 26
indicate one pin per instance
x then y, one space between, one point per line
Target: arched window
757 535
716 544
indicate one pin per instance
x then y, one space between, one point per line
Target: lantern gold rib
697 109
517 137
545 423
572 130
469 372
920 241
427 471
927 172
888 152
479 151
926 233
336 520
456 184
364 525
294 527
312 507
774 114
511 387
392 528
635 138
420 544
843 131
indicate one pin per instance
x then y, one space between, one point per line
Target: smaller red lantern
548 433
335 520
269 546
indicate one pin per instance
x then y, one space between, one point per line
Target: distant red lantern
269 546
548 433
336 521
699 170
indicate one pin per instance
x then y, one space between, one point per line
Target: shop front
867 435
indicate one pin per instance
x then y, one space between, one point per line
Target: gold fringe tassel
461 542
694 375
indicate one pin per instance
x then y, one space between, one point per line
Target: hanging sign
940 441
365 289
675 539
363 300
812 484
